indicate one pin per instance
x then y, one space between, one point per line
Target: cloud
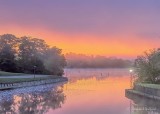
104 23
83 17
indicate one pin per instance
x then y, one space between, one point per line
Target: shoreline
151 91
6 86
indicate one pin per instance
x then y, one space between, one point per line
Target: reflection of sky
92 96
110 26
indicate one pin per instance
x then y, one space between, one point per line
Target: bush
147 66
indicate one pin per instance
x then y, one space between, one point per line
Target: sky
122 28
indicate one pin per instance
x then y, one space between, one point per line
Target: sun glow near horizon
85 44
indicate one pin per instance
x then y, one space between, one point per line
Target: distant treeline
84 61
26 55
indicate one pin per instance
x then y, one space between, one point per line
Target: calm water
89 91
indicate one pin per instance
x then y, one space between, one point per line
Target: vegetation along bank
146 75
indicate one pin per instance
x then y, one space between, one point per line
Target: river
88 91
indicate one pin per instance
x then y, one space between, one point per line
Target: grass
154 86
2 73
17 80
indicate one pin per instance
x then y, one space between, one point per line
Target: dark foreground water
89 91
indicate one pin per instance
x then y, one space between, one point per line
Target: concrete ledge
151 89
141 94
32 83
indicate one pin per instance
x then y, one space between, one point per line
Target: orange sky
86 44
123 29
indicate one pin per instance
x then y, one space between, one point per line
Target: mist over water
96 91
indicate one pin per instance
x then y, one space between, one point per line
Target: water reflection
143 105
89 91
37 101
92 91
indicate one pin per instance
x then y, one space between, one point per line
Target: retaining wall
147 90
31 83
144 91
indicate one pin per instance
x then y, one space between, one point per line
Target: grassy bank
154 86
17 80
2 73
20 78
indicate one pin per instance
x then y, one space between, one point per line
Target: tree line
26 54
85 61
147 66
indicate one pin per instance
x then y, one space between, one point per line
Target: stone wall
147 90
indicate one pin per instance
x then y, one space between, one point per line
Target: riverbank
151 91
10 80
28 82
24 78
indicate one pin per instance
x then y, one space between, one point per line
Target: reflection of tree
34 103
7 106
144 109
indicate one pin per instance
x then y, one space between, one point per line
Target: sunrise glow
87 32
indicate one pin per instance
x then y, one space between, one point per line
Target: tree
8 45
55 61
31 51
23 54
147 66
85 61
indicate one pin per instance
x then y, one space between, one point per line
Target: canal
88 91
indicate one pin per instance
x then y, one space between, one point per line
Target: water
89 91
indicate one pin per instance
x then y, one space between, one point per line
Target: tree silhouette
22 54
